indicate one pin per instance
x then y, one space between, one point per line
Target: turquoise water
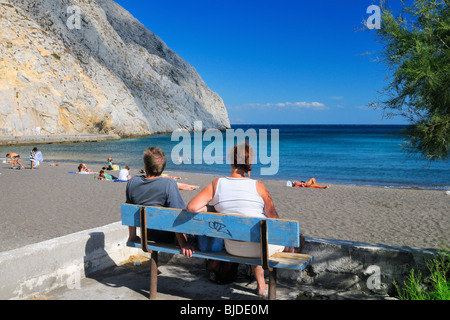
343 154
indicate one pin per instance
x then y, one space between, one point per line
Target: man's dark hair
154 161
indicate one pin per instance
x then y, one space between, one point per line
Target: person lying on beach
104 176
36 158
82 169
238 194
165 175
152 189
172 177
310 184
187 187
101 175
182 186
15 160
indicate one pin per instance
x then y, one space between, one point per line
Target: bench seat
281 260
264 231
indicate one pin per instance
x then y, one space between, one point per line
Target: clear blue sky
276 61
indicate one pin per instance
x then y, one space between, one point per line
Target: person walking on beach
152 189
15 160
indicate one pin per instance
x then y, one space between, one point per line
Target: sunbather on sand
181 186
104 176
82 169
310 184
185 186
167 176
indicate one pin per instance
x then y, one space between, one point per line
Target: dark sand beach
37 205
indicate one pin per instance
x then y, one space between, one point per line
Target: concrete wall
346 265
369 268
38 139
40 268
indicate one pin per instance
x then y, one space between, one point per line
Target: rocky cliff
88 67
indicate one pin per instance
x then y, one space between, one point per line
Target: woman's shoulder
217 180
261 188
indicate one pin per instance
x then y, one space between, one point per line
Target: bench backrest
218 225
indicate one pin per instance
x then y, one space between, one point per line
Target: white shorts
249 249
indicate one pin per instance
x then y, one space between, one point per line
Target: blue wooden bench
218 225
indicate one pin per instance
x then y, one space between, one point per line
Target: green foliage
440 268
416 50
435 287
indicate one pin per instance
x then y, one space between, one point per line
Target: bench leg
153 274
273 284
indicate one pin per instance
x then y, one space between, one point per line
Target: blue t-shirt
157 192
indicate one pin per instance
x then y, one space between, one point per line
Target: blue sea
369 155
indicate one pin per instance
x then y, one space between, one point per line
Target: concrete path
130 281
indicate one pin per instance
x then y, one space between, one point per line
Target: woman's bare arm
200 202
269 207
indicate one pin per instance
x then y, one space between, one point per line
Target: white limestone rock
112 75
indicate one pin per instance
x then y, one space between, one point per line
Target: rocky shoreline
31 140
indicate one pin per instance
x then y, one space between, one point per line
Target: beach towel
82 172
290 184
297 186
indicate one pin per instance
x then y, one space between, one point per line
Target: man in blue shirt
155 190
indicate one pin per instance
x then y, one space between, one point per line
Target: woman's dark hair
154 161
242 157
35 149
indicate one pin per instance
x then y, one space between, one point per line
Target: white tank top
238 196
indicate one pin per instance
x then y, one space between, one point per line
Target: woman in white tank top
237 194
